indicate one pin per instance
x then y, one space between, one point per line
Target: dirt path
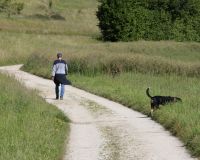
105 130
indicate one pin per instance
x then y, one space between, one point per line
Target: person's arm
53 71
66 69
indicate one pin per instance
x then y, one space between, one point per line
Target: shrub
11 7
115 19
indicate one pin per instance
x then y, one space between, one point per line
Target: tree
178 9
10 7
50 4
125 20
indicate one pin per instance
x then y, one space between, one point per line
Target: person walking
59 72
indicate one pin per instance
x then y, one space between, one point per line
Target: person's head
59 55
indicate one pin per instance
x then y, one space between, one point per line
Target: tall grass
182 119
29 127
93 64
16 48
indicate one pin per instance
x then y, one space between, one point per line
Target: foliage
178 9
124 20
115 19
11 7
50 4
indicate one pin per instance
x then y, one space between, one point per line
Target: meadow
168 67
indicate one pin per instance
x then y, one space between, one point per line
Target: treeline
125 20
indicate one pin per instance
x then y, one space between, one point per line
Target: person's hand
52 78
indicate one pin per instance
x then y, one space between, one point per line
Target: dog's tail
147 92
178 99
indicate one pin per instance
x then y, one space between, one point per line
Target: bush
11 7
115 19
124 20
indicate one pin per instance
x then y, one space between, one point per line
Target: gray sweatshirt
59 67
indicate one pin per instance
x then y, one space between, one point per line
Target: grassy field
182 119
29 127
168 67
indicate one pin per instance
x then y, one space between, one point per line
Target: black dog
161 100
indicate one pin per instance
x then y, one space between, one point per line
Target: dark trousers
62 91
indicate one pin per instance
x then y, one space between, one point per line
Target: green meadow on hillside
168 67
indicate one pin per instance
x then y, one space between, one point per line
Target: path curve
104 130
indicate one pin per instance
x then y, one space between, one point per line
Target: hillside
168 67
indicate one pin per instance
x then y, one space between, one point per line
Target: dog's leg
152 108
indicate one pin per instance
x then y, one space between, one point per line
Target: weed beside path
29 127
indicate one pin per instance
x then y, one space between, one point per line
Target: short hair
59 54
